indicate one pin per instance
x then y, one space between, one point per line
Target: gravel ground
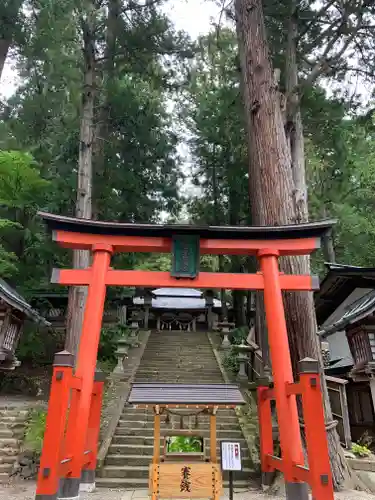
26 491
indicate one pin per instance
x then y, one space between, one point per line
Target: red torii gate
70 443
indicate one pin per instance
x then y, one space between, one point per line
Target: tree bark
293 126
81 258
102 129
272 190
7 29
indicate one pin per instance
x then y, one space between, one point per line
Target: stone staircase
12 428
169 357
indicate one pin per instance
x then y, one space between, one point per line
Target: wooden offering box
185 480
178 475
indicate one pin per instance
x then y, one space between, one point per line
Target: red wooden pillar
265 432
86 363
316 436
88 473
286 406
53 442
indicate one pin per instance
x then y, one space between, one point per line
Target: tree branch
132 5
319 14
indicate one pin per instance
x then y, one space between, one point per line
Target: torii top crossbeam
297 239
186 242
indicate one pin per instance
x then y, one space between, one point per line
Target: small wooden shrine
14 311
178 308
188 475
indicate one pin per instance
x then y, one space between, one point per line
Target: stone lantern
123 345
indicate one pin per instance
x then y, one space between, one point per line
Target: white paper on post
230 456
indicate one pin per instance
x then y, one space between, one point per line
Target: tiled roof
339 282
207 394
177 292
14 299
177 298
359 309
306 230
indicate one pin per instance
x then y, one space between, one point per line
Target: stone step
8 459
176 378
185 369
227 433
227 423
147 450
8 451
169 357
4 477
9 442
142 483
131 449
6 433
181 378
13 412
135 472
182 356
178 352
13 425
6 419
145 460
6 467
141 440
125 471
121 483
191 379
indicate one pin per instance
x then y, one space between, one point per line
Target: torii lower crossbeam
150 279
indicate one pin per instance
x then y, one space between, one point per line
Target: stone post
147 304
209 305
326 355
123 311
134 329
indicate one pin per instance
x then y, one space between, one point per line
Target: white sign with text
230 456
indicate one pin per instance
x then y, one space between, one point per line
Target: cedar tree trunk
272 189
81 258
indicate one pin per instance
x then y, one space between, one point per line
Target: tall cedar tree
272 189
81 258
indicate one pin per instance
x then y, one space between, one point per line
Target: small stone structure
13 421
365 469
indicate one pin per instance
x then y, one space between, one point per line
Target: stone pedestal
225 328
242 360
226 342
134 329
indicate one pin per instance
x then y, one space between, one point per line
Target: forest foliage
156 89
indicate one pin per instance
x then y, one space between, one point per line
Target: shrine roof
177 298
88 226
181 394
15 300
177 292
339 282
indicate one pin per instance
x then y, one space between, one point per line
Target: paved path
26 491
